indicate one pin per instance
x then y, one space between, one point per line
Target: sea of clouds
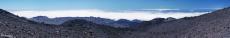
130 15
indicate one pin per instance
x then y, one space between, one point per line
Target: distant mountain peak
41 17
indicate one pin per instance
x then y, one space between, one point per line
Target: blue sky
112 4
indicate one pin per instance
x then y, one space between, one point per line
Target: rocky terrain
211 25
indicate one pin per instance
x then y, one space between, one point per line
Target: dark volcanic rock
152 23
94 30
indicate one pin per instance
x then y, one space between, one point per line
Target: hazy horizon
130 15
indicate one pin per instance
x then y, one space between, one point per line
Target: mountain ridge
211 25
122 23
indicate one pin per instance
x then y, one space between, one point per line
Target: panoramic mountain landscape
211 25
115 19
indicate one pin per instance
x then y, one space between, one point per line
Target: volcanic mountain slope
12 26
212 25
95 30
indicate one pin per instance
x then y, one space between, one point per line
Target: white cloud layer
141 15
